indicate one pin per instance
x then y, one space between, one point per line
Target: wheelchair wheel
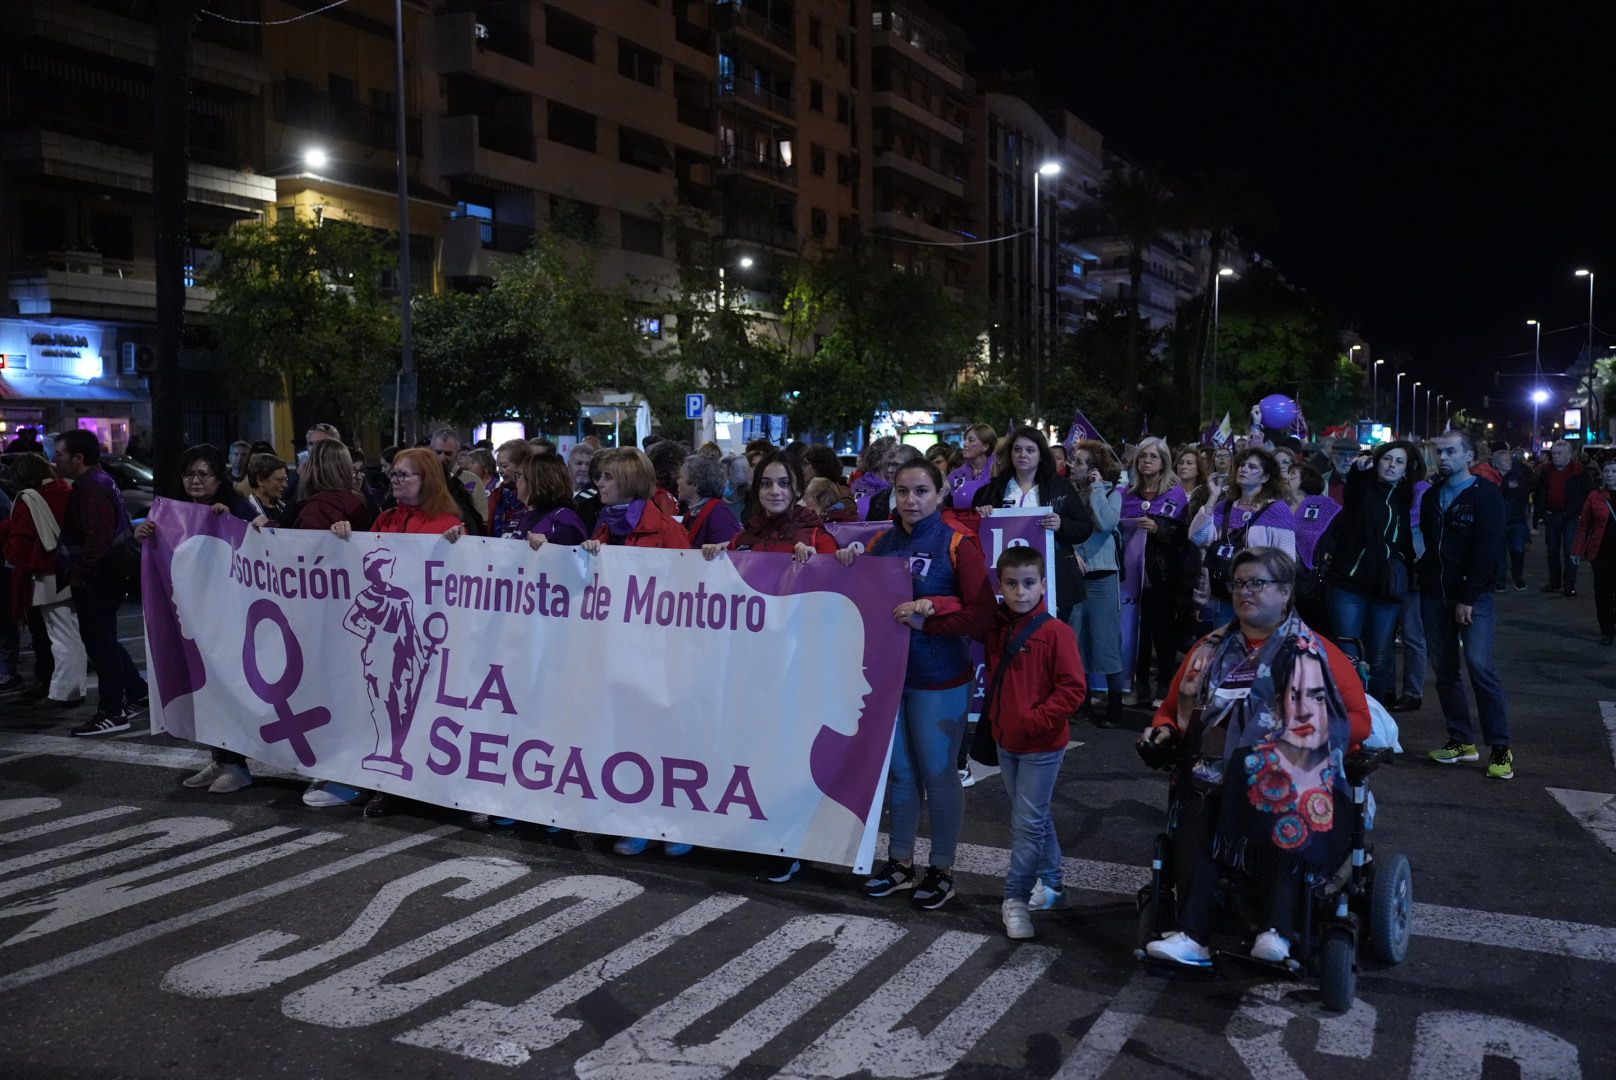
1391 905
1338 970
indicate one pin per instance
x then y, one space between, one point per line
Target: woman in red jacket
32 537
628 516
327 490
774 522
1596 542
422 500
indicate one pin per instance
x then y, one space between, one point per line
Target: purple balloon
1278 411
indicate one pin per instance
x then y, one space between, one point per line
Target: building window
844 109
816 95
574 217
846 228
841 47
816 159
844 169
570 127
643 235
636 63
641 150
817 224
572 36
816 32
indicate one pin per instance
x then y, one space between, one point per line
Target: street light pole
1217 302
1537 375
1374 391
1414 403
404 394
1048 168
1589 345
1397 406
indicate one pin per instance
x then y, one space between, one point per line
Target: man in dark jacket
1462 519
1562 485
1516 484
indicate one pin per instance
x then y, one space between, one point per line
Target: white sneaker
1047 899
324 793
966 778
1017 922
203 778
1270 946
230 778
1180 948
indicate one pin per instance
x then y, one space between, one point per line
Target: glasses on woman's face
402 476
1253 585
198 475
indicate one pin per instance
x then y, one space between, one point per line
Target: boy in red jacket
1035 684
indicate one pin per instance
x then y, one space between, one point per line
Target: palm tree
1137 207
1220 202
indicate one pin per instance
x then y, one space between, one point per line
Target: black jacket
1463 544
1077 525
1517 495
1577 486
1373 526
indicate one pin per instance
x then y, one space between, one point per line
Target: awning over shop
48 388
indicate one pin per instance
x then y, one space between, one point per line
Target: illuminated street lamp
316 158
1047 168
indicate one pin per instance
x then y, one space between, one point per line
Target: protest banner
1005 527
745 703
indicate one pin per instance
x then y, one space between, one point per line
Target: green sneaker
1502 766
1454 751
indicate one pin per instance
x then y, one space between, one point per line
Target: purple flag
1081 429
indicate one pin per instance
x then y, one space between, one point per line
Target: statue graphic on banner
395 655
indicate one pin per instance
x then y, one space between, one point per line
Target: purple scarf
622 519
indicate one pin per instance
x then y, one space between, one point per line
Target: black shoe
34 694
935 889
891 878
1549 589
12 684
378 805
780 870
1498 588
1520 586
1406 703
137 701
1608 639
1571 591
104 723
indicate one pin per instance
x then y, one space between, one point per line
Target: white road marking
1257 1030
1594 810
1456 1045
1112 1029
357 996
651 1048
17 836
127 751
151 932
500 1035
869 1037
163 833
240 968
1607 714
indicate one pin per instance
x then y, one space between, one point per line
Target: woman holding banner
1154 512
205 479
943 561
776 523
630 518
1027 477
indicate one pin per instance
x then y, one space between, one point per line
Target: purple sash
1313 516
1171 503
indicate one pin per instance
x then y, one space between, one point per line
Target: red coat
1044 686
19 542
412 519
326 508
800 526
1591 525
655 530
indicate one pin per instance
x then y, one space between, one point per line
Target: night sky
1436 176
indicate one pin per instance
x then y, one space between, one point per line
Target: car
137 482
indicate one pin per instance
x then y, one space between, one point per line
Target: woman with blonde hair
981 442
1154 512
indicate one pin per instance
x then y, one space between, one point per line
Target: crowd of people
1227 556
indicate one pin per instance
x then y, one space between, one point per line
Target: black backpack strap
1011 650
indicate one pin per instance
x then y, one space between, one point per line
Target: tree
301 314
1094 372
1220 202
896 337
1000 406
525 347
1136 206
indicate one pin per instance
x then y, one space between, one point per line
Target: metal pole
405 328
1589 346
1217 302
1537 378
1397 406
1374 390
1038 315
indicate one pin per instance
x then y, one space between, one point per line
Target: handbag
1394 577
1220 557
983 748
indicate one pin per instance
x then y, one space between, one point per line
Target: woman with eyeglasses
205 479
545 487
1257 724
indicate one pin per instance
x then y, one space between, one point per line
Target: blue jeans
1559 530
1035 854
1447 641
1374 623
119 679
1413 647
931 724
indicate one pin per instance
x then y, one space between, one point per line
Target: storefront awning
29 388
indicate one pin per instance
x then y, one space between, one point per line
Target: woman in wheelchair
1256 728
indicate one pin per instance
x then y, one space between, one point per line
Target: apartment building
920 105
1080 149
76 232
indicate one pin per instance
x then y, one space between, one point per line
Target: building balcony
88 161
480 249
298 105
951 185
891 99
737 160
760 231
466 43
921 226
736 19
475 148
951 73
747 93
85 284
